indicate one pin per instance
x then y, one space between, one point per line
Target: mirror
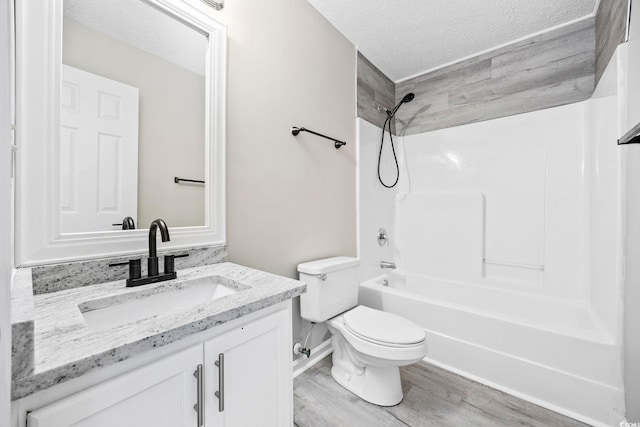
121 118
132 117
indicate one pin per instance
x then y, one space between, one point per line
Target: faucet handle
135 268
382 237
169 264
135 271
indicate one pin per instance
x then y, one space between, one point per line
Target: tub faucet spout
388 264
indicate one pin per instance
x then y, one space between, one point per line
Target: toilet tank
332 287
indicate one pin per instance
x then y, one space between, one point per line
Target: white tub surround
64 347
507 235
631 158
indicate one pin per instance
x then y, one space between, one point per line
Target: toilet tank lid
327 265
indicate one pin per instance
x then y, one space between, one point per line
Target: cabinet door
159 395
255 361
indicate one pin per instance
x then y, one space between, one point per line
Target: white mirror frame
38 61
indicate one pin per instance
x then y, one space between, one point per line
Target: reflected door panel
98 152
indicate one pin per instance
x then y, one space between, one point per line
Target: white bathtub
550 352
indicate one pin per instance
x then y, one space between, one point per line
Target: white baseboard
318 353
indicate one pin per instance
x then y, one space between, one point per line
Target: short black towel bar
296 130
178 180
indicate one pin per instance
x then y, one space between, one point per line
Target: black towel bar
337 143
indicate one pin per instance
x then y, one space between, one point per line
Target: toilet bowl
369 346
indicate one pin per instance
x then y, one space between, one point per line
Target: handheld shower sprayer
407 98
390 113
387 124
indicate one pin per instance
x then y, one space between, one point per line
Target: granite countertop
65 347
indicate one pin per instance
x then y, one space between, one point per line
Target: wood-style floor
432 397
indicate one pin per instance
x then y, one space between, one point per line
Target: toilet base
378 385
368 370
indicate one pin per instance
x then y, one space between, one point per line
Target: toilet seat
382 328
378 353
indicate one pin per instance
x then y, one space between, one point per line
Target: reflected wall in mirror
114 100
132 117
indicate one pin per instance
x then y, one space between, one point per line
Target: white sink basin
110 312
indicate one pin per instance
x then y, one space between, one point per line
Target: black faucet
152 264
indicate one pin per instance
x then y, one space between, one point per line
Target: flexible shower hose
387 122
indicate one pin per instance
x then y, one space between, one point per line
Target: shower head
407 98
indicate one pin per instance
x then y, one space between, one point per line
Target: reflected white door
98 152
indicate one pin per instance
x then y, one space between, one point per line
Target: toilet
369 345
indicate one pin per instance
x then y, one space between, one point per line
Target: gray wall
631 155
289 199
171 122
6 246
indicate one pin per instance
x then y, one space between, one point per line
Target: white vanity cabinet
246 381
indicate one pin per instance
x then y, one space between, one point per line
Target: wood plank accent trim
611 27
547 70
374 88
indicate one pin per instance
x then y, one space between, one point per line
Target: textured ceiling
140 25
407 37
